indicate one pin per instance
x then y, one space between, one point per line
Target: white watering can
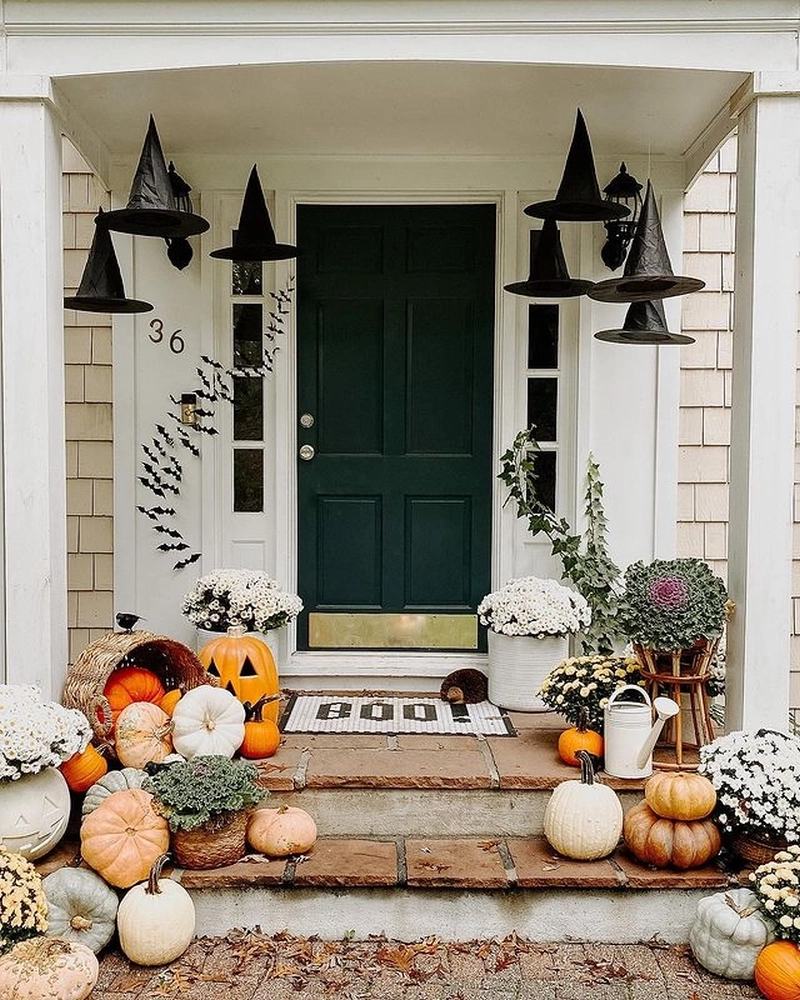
630 733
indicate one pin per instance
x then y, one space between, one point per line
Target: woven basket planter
219 842
755 851
695 661
175 665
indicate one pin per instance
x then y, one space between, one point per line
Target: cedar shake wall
703 468
89 422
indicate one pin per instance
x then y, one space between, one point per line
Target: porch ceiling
402 108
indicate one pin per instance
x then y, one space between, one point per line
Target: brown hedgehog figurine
465 687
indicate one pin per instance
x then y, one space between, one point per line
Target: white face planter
34 812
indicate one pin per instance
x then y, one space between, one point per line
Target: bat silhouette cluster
162 471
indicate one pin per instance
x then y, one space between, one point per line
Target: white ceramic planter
517 666
34 812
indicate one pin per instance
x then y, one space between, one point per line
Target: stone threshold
451 863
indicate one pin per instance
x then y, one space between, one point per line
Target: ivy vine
585 559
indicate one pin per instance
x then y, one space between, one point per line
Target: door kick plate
392 631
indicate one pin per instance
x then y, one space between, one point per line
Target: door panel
395 328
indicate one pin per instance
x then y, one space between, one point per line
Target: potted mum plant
674 612
529 621
206 801
757 778
579 687
35 737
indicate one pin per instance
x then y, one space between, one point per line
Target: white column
34 618
763 402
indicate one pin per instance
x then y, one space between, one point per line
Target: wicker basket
214 844
755 851
175 665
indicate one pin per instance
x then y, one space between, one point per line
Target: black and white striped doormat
387 714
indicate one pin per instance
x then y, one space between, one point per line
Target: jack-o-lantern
34 811
244 666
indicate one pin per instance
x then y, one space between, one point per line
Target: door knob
307 452
307 420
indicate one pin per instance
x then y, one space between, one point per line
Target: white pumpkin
80 907
114 781
729 932
208 721
45 968
583 819
156 920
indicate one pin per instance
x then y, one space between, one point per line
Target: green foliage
671 603
585 559
190 793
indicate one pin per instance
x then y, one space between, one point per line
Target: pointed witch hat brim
101 288
648 273
645 323
255 237
549 277
578 198
151 208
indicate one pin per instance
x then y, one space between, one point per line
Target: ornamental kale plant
671 603
203 789
585 559
757 778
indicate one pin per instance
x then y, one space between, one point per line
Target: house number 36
176 342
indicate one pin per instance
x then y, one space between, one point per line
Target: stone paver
538 866
639 876
348 862
251 872
469 864
256 967
399 769
276 774
334 741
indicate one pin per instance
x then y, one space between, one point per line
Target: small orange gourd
129 684
123 836
261 736
580 737
83 769
170 700
778 971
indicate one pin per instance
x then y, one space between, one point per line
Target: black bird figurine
127 621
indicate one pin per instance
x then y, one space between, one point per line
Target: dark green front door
395 332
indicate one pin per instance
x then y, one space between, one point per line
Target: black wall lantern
625 190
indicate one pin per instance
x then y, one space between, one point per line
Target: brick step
458 888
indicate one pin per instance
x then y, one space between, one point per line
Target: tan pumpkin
123 836
143 735
45 968
281 832
666 843
682 795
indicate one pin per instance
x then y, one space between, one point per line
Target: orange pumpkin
83 769
123 836
170 700
261 736
778 971
130 684
244 666
666 843
143 735
680 795
580 737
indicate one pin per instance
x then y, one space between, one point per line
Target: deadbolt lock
307 420
307 452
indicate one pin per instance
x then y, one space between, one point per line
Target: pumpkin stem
282 809
237 630
152 888
587 768
254 712
79 923
583 719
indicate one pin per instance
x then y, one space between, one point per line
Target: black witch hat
648 272
151 208
101 288
549 277
255 237
578 198
645 323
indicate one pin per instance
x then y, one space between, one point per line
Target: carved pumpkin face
34 812
245 667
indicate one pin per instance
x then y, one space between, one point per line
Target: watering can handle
629 687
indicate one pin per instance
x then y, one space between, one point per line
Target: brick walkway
255 967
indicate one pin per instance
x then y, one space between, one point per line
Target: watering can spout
666 709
